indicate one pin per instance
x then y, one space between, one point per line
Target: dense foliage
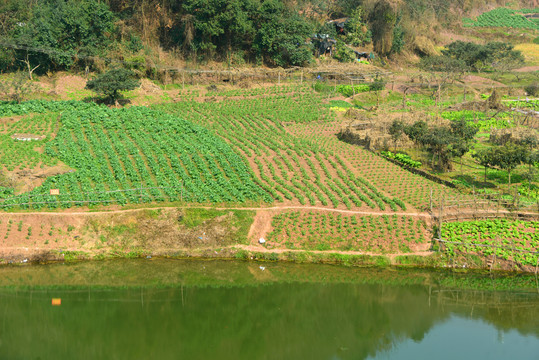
58 34
267 30
112 82
469 56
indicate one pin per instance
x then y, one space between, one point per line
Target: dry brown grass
530 52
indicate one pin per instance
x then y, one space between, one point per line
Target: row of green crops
40 106
19 139
479 119
402 158
289 167
329 231
509 240
349 90
132 148
502 17
524 104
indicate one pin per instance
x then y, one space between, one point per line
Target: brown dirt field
69 83
27 179
478 81
527 69
31 235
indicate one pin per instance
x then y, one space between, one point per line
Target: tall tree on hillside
510 156
464 133
382 19
416 131
396 130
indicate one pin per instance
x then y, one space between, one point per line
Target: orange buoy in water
56 302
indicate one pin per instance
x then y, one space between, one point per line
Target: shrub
113 82
532 89
442 63
343 53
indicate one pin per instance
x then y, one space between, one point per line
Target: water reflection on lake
170 309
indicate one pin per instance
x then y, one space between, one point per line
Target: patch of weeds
74 255
381 261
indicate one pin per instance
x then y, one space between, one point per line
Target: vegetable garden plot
503 17
294 169
401 184
479 119
329 231
20 138
9 108
507 239
118 149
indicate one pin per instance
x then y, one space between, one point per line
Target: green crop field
513 240
262 145
503 17
117 149
328 231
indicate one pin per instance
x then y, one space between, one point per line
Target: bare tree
31 70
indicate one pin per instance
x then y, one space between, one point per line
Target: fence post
440 214
430 200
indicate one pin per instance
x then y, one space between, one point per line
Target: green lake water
189 309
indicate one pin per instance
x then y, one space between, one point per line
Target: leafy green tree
463 130
113 82
416 131
438 141
281 35
343 53
222 26
485 157
357 32
398 40
464 134
58 32
508 157
479 57
396 130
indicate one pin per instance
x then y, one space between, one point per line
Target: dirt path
274 208
262 249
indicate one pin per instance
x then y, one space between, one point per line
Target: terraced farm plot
395 181
513 240
22 139
279 145
295 170
503 17
137 148
315 230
